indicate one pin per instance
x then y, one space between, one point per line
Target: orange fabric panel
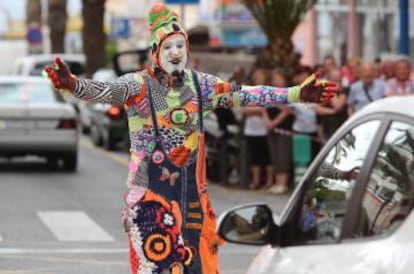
138 98
133 259
201 165
209 240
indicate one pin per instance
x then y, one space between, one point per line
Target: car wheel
109 143
86 130
70 161
52 162
95 135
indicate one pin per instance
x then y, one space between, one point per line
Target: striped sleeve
116 92
220 94
329 171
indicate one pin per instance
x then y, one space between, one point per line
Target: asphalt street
53 222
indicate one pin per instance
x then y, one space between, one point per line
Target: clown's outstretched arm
116 92
224 94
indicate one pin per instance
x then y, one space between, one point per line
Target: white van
34 64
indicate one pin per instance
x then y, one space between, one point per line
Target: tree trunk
93 36
57 19
33 12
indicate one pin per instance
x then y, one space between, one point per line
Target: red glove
60 76
317 91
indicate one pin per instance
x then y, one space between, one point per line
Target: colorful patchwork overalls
174 222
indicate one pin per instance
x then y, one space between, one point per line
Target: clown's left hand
313 90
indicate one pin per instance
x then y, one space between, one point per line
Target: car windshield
76 68
27 92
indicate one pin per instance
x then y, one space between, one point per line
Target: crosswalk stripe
10 251
1 239
73 226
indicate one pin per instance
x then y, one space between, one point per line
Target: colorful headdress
163 23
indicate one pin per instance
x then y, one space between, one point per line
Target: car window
75 68
27 92
389 196
325 200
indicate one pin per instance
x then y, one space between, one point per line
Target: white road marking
1 239
73 226
10 250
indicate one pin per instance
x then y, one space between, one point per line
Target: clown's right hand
60 76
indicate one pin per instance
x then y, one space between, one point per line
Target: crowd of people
268 133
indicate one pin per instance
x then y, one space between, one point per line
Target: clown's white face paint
173 54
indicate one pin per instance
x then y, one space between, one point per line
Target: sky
15 9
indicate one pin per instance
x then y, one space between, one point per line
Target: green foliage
110 51
319 191
278 18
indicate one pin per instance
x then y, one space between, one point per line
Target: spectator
303 73
378 67
401 84
350 71
280 145
330 123
306 122
226 116
387 70
328 65
366 90
255 133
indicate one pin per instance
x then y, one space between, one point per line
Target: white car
36 120
33 65
352 211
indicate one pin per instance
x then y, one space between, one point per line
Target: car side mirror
249 224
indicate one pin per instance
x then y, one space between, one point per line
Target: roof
21 78
48 57
403 105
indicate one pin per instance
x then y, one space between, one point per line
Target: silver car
36 120
353 209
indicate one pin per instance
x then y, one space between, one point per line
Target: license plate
18 125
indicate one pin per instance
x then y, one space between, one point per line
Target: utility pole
404 41
353 30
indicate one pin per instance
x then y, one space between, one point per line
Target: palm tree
93 36
33 12
57 19
278 19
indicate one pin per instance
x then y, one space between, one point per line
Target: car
33 65
36 120
109 123
109 126
352 211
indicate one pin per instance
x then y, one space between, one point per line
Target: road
53 222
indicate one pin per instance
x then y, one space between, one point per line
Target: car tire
109 143
70 161
95 135
52 162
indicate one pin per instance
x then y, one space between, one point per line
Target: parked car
36 120
109 123
352 211
33 65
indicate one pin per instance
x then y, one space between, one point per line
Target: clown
168 217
